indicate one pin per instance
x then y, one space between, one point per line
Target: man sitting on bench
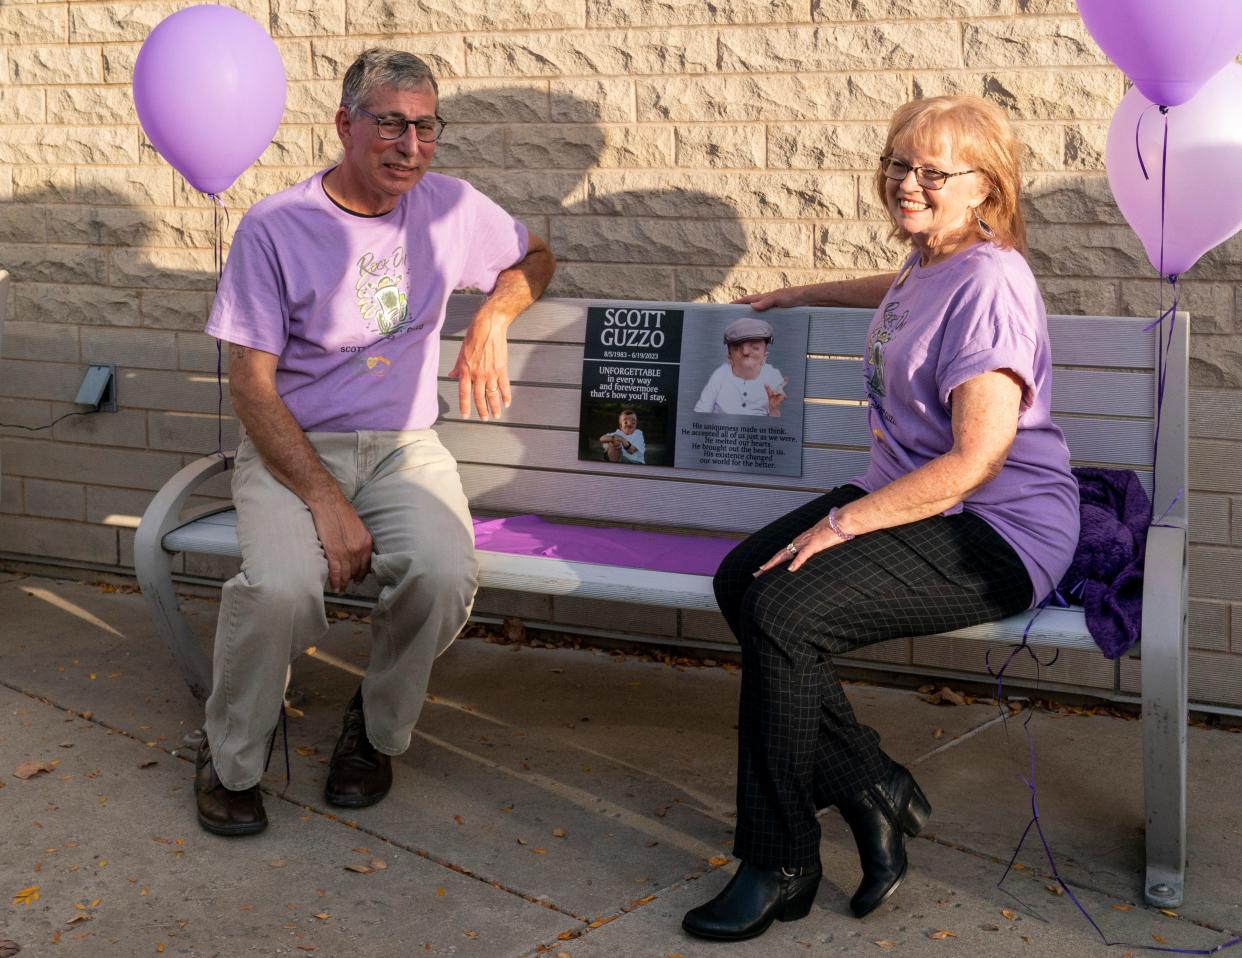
332 302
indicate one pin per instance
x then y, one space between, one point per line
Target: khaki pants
407 492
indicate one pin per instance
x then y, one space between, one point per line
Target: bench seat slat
217 535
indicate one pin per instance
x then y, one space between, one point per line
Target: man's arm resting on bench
293 461
482 368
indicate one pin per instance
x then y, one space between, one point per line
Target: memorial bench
1104 398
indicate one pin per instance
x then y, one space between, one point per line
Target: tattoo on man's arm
237 352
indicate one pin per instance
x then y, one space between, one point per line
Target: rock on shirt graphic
381 289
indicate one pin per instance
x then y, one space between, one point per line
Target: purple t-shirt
978 311
353 304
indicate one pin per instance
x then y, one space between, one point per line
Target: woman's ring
493 390
791 549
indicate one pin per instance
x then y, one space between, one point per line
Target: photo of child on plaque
630 433
742 382
745 384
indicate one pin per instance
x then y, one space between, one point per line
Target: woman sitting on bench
967 513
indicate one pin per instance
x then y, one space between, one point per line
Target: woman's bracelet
832 524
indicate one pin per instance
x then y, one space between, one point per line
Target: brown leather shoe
223 811
359 774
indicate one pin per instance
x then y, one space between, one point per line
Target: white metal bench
1104 399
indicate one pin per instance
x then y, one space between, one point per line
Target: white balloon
1202 207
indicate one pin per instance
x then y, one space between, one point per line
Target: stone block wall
680 149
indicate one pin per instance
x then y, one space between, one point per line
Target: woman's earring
984 228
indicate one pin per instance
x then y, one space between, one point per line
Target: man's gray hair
379 67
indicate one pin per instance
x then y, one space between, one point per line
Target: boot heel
918 811
799 905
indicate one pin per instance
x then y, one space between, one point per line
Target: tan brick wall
667 148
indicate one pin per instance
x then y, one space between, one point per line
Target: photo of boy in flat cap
745 384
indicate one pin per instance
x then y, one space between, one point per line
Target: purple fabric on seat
658 551
1107 571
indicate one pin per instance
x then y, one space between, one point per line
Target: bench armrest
153 566
165 511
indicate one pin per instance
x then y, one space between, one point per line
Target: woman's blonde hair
979 136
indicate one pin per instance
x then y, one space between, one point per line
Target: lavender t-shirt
353 304
978 311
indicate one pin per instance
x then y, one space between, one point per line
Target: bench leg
1165 703
153 568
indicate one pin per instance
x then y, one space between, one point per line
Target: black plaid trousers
800 748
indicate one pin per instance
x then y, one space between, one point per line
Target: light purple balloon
1204 153
1168 48
209 87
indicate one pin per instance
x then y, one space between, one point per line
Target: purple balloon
209 87
1169 49
1205 147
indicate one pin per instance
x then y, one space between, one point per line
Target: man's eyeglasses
426 128
927 177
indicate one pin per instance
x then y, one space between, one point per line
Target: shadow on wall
98 279
1089 262
589 184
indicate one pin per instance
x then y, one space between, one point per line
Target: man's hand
482 369
776 397
346 543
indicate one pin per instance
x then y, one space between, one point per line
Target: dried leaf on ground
1168 911
884 943
277 863
514 630
378 864
940 935
1008 914
9 948
1055 888
471 934
600 922
1123 907
439 892
1158 939
946 696
937 733
27 896
77 918
148 763
717 861
360 869
28 770
558 833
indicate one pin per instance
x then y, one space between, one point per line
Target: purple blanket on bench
659 551
1107 571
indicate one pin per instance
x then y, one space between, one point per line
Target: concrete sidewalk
555 802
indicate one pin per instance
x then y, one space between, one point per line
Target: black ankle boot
880 818
754 899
